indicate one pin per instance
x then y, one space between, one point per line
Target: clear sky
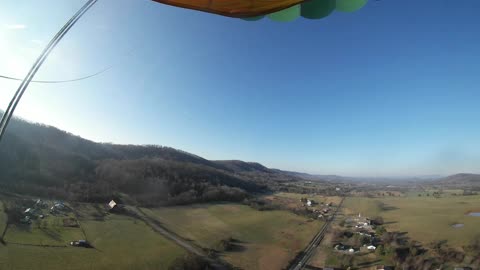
390 90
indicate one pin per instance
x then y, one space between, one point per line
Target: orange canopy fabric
234 8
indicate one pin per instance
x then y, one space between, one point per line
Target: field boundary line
79 223
36 245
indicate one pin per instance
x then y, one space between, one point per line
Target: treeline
44 161
410 255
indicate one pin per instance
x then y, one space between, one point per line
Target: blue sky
390 90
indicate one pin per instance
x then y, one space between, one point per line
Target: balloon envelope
286 15
317 9
253 18
278 10
234 8
350 5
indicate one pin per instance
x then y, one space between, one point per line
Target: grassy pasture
426 219
292 200
267 239
318 198
48 231
120 243
3 218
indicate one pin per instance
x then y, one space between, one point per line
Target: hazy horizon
349 95
359 177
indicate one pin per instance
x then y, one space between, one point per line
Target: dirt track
158 227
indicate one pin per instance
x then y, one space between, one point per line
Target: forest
44 161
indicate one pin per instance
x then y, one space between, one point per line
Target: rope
70 80
38 63
61 81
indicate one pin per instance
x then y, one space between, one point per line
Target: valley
175 210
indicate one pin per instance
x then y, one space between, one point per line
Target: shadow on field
237 248
52 234
390 222
23 227
385 207
237 241
370 263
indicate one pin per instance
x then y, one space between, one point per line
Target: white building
112 204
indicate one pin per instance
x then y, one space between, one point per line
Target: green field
48 231
3 218
120 243
426 219
318 198
267 239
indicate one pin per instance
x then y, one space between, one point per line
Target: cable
38 63
70 80
62 81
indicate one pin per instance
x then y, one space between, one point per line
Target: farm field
3 218
318 198
266 239
292 200
119 242
49 231
426 219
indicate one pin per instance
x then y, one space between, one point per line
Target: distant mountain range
459 180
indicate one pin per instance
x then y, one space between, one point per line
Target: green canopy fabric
317 9
285 15
313 9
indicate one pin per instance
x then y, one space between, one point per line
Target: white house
371 247
309 203
112 204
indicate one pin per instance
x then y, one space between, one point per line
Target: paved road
300 262
156 226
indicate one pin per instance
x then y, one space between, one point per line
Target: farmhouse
115 207
40 204
26 220
57 206
112 204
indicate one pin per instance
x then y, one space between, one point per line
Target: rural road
156 226
300 262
